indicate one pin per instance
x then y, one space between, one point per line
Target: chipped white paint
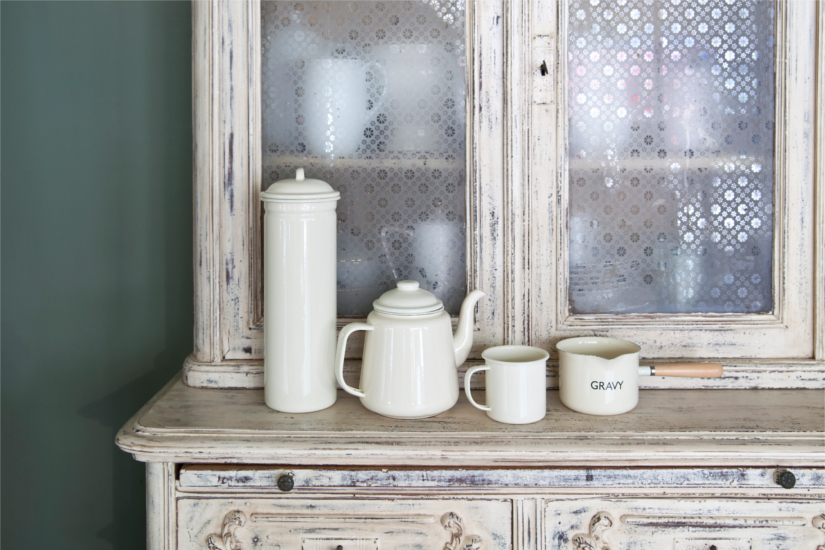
212 477
819 222
686 469
697 428
741 374
695 452
515 199
606 524
227 115
222 524
161 519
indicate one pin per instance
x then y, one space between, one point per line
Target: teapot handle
339 356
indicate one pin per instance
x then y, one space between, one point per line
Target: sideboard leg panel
160 509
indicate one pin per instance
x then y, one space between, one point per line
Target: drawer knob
286 482
786 479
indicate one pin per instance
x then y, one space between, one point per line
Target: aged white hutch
645 169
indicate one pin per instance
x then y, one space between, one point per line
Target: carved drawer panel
684 524
327 524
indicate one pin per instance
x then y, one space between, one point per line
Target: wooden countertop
669 428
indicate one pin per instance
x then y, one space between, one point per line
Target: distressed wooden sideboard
720 464
685 470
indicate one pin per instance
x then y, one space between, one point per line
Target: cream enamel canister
300 294
411 356
600 376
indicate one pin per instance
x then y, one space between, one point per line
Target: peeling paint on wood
697 428
724 524
684 466
516 166
810 481
434 523
741 374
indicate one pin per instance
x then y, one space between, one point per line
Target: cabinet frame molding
515 202
227 183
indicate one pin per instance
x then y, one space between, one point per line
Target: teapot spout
463 337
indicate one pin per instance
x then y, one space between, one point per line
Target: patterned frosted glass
370 97
671 121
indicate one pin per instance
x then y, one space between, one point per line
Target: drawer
343 524
237 478
684 524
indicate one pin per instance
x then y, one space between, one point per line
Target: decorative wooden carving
819 523
600 523
227 539
452 523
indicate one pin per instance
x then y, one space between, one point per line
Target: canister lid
407 299
300 189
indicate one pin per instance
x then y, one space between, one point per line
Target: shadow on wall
97 257
128 529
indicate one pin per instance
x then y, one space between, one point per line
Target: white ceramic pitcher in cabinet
411 356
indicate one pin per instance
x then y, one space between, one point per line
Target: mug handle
339 355
470 372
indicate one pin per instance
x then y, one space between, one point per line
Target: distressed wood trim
819 287
682 524
689 429
739 374
237 340
255 221
233 478
517 273
160 506
525 528
545 168
206 226
562 131
486 260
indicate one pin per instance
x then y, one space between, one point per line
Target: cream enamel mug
600 376
516 388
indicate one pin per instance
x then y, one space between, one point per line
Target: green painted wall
96 257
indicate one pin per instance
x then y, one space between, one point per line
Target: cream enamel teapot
411 357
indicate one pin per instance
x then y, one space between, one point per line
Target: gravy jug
411 357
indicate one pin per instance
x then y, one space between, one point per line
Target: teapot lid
408 299
300 189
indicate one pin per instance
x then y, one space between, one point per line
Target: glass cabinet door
399 105
681 192
371 97
671 110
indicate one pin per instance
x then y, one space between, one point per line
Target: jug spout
463 337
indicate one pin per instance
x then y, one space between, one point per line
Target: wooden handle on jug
692 370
